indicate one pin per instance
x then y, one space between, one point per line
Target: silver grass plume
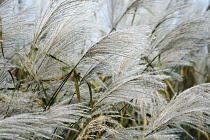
41 124
189 108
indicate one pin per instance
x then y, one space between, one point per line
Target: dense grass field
104 69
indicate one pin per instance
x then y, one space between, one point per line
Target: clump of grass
68 78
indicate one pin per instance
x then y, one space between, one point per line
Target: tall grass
82 72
